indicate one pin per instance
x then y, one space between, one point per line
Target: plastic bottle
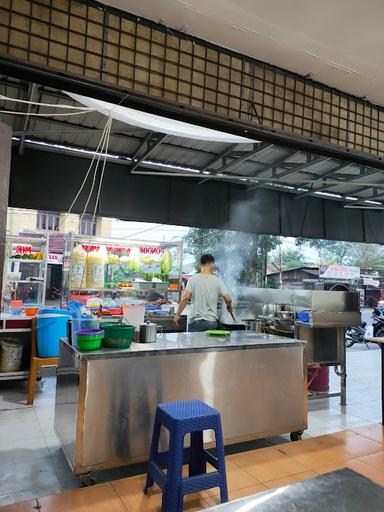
96 261
77 266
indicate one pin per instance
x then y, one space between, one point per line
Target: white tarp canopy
158 123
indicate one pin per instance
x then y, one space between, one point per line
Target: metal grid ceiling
86 39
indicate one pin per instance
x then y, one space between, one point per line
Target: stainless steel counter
105 400
187 342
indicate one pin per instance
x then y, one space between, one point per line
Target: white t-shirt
206 290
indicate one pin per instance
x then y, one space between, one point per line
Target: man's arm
228 300
184 301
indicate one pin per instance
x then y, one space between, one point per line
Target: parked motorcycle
53 293
378 322
355 334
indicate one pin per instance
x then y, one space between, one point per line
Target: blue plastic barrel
51 325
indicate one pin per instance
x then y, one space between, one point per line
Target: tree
346 253
291 258
241 257
367 255
329 251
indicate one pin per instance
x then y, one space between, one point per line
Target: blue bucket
51 325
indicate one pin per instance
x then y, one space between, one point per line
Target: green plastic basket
117 335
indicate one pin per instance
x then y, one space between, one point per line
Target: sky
167 233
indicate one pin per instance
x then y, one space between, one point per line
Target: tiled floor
361 449
33 466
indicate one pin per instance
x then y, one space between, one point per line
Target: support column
5 171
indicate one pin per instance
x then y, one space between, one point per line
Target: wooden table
380 342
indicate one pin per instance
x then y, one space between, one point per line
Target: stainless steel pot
148 332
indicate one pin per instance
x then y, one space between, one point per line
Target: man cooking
204 291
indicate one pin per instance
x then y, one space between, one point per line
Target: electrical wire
49 114
109 124
54 105
96 153
103 141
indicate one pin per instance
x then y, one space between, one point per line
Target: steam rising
231 261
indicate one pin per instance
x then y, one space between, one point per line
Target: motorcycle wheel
349 342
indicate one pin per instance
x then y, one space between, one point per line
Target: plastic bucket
89 339
117 335
11 352
78 324
51 325
319 379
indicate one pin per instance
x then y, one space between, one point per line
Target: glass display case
25 270
117 272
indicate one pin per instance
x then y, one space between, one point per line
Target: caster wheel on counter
296 436
87 480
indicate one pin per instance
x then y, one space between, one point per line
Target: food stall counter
106 399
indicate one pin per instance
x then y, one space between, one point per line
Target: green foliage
291 258
346 253
271 283
244 253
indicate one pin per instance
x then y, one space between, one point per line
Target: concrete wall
22 219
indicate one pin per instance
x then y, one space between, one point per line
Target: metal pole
5 171
281 265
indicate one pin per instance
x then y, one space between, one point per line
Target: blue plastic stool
181 418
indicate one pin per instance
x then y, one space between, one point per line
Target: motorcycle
356 334
53 293
378 322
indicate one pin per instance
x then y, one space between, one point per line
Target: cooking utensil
286 315
232 327
149 332
233 317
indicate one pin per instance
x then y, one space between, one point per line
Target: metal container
11 353
148 332
253 325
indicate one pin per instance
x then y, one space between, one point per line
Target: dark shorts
202 325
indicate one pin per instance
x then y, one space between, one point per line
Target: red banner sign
21 248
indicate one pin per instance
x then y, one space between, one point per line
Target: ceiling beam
351 181
373 197
327 174
276 163
257 149
219 157
303 167
29 97
150 143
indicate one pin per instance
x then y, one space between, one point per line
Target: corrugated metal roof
253 165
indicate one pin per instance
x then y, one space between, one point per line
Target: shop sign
368 281
339 272
55 258
116 249
21 248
